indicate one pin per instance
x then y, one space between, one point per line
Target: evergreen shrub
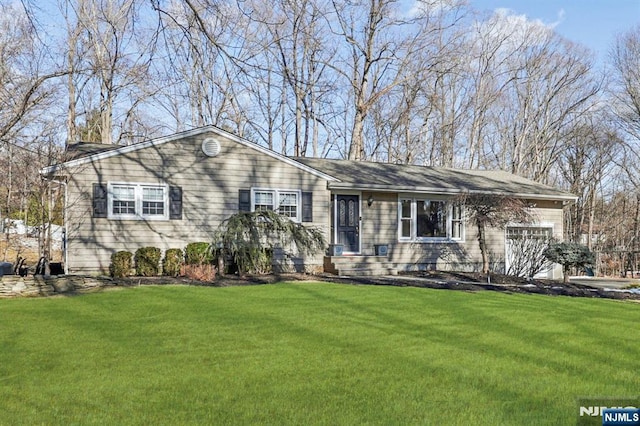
172 262
121 264
148 261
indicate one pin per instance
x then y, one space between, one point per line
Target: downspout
64 222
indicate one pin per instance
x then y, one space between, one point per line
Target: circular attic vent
211 147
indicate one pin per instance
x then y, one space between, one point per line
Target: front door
348 222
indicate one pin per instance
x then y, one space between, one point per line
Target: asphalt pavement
616 283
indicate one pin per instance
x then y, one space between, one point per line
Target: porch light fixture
370 200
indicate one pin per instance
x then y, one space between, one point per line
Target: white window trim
414 217
138 201
550 225
276 197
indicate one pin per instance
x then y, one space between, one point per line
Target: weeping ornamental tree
248 239
486 211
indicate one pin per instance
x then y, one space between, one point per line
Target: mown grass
311 354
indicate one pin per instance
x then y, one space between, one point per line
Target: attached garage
523 250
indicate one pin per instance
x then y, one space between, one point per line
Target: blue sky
594 23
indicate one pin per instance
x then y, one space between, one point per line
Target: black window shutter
244 200
307 206
100 205
175 202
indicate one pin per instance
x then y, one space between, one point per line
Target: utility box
381 249
6 268
335 249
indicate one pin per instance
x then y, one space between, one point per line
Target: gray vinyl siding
210 188
380 226
551 213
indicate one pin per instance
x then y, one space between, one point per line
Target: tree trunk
71 111
297 146
106 113
220 265
592 214
483 249
356 149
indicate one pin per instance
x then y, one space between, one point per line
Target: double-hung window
285 202
153 201
123 200
457 222
263 200
288 204
138 201
425 220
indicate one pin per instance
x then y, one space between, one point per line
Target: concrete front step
359 265
366 272
357 259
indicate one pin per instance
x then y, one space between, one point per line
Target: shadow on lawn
430 279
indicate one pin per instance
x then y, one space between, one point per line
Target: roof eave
158 141
444 191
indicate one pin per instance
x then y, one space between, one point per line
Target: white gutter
64 221
441 191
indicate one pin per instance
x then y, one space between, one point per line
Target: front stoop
359 265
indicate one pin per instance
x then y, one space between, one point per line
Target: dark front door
348 222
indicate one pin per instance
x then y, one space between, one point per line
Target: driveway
615 283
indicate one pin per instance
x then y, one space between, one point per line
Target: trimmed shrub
198 254
172 262
569 255
121 264
148 261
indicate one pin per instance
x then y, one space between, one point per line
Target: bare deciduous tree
299 48
109 61
527 256
377 44
545 85
588 160
27 93
625 58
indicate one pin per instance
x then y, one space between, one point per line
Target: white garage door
524 246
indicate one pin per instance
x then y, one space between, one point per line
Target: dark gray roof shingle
85 149
410 178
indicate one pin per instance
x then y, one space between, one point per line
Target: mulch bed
460 281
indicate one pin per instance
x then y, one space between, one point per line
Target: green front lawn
312 354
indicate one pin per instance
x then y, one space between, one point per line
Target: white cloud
517 29
431 7
560 20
